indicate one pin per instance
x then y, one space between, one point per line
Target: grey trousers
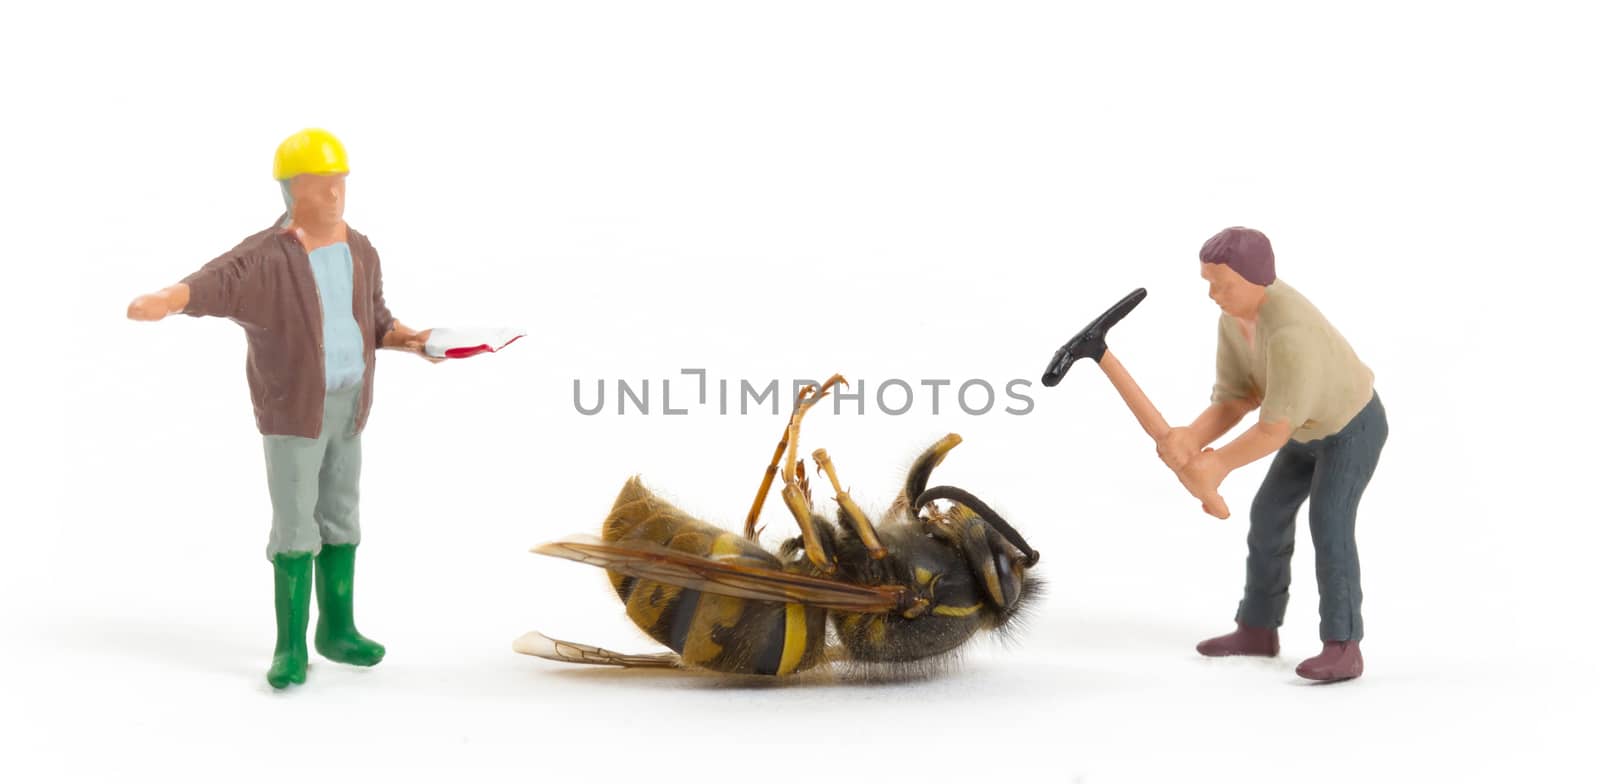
314 482
1333 472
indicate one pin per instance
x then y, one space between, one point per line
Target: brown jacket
265 285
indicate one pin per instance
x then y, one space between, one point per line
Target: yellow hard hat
311 151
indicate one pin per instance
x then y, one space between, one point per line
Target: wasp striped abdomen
721 633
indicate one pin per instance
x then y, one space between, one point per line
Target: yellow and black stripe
722 633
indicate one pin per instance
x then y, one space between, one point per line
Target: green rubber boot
292 599
337 638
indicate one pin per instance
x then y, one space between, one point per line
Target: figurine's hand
150 307
1204 473
1178 447
418 342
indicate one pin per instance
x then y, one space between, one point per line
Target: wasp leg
917 477
536 644
797 499
808 398
796 492
858 519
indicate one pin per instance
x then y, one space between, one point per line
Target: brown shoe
1243 641
1339 661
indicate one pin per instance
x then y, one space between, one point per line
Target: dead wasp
917 584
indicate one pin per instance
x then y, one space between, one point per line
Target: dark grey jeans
1332 472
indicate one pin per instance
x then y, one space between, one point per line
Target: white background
888 190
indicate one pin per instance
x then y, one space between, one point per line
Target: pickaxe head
1091 342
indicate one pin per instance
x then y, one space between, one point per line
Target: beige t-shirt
1300 370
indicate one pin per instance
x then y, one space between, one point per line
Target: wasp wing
536 644
725 578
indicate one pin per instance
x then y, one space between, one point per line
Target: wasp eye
1010 579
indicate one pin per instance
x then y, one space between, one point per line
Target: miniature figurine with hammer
1319 414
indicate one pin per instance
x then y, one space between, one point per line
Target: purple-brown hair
1245 251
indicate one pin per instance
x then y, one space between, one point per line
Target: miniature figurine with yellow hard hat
310 373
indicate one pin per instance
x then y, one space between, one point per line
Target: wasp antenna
989 515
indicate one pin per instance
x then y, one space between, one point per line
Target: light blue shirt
342 345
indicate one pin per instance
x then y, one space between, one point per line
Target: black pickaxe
1091 344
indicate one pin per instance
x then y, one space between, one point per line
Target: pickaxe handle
1154 424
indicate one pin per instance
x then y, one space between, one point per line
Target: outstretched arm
220 288
159 305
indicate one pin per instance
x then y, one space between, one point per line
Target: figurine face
318 200
1236 296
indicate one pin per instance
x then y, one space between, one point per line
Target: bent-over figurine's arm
1294 373
1181 444
1207 469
